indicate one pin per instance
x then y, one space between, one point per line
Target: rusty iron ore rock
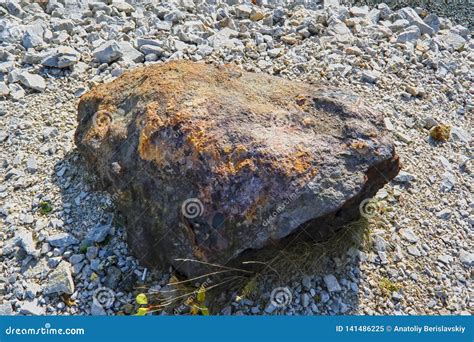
212 163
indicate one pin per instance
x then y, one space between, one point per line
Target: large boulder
207 163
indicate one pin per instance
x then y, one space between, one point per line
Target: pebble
447 182
61 57
60 280
413 250
98 233
370 76
270 309
33 81
6 309
410 34
26 241
76 258
97 309
409 235
445 259
31 164
467 258
92 252
306 282
444 214
107 52
31 307
305 299
404 177
380 244
62 240
331 283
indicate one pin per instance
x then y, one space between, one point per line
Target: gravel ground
62 245
459 11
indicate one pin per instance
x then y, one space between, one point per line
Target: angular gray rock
411 34
98 233
31 307
362 11
107 52
62 240
432 20
4 90
398 25
409 235
459 134
340 31
130 53
60 280
467 258
404 177
31 164
452 41
25 239
370 76
331 283
448 181
6 309
32 81
224 38
413 250
32 40
243 11
414 19
97 309
62 57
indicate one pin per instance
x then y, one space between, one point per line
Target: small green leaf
45 208
141 312
142 299
204 311
201 295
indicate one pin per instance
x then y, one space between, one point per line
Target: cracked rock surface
236 143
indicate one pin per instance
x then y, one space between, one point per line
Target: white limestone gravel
62 246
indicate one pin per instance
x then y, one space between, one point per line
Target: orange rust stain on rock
189 95
234 168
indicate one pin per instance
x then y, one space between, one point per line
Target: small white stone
331 283
32 81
